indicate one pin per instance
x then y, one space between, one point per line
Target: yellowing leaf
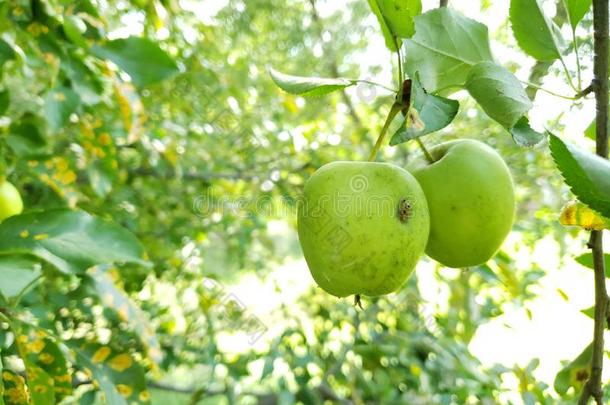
124 390
575 213
101 354
121 362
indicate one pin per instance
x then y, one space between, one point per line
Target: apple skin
471 197
354 237
10 201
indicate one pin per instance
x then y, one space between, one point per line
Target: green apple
10 200
363 227
471 198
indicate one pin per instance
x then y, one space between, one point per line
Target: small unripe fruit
363 227
10 201
471 198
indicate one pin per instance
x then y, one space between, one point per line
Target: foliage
156 157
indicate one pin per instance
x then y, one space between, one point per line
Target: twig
552 93
587 90
593 386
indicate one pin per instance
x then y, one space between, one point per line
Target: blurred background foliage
203 158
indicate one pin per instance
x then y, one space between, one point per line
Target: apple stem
396 108
427 154
358 301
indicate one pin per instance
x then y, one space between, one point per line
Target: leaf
591 131
590 312
268 367
59 173
25 138
587 261
118 375
524 135
1 380
308 86
74 28
46 367
84 82
445 46
577 9
1 386
399 15
114 298
72 241
100 181
574 374
486 272
15 391
141 58
563 294
575 213
535 33
498 92
390 41
587 174
434 113
59 104
5 100
16 272
6 52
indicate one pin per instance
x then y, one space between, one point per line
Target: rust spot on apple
404 210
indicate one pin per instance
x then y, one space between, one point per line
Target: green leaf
590 312
120 377
535 33
74 28
16 272
25 138
563 294
308 86
399 15
587 261
84 82
72 241
433 113
574 374
390 41
5 99
114 298
577 10
498 92
587 174
268 367
6 52
100 181
524 135
591 131
59 104
445 46
141 58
